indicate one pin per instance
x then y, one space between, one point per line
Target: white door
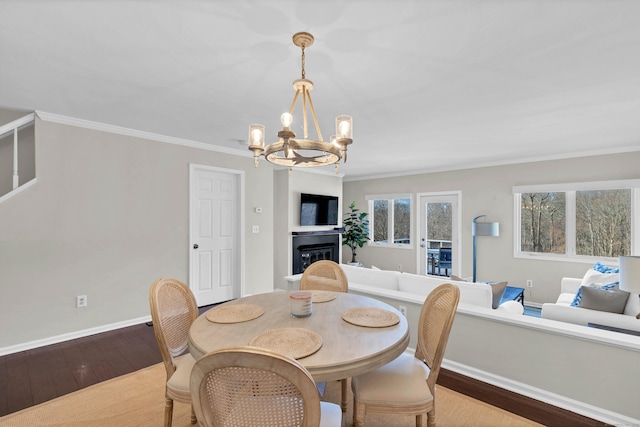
439 228
215 273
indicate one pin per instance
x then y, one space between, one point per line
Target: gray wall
488 191
108 216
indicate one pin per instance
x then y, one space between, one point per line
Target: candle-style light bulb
286 119
256 136
344 127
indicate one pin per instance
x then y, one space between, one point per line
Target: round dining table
346 349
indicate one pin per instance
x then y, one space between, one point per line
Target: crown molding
87 124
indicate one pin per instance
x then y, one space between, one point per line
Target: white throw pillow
593 277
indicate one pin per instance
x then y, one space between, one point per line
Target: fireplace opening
310 248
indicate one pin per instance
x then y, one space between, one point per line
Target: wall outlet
81 301
402 309
529 283
255 229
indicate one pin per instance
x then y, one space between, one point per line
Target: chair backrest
434 326
324 275
173 310
250 386
444 255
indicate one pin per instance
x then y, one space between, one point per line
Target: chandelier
292 152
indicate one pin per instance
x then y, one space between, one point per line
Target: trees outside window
582 223
391 220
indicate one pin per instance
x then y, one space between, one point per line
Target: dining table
345 335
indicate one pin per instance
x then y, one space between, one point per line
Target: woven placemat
323 296
235 313
293 342
370 317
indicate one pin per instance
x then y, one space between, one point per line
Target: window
581 220
390 220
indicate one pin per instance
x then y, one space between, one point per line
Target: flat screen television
316 209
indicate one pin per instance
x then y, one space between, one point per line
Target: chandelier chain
303 74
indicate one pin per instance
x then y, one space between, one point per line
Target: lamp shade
484 228
630 274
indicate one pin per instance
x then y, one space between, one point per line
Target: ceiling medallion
292 152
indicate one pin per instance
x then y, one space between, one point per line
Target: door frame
193 168
456 244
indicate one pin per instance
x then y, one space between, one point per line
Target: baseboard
571 405
71 336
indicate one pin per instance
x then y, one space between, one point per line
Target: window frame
570 190
371 198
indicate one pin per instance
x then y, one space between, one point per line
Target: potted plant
356 230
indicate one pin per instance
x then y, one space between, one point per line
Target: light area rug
137 399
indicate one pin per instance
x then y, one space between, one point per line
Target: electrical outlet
402 309
529 283
255 229
81 301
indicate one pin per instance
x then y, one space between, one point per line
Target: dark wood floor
34 376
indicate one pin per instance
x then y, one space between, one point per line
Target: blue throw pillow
600 267
578 297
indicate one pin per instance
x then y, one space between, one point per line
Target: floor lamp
482 229
630 276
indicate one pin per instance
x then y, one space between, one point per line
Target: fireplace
309 247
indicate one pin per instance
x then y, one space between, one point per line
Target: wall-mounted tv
316 209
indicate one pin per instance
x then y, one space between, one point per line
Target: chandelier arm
315 119
295 99
305 93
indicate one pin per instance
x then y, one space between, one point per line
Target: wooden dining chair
251 386
173 310
407 385
326 275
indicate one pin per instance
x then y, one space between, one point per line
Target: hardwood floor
34 376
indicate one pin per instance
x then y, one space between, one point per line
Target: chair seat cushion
330 415
179 381
402 381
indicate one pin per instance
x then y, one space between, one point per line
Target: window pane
402 221
542 219
603 223
439 225
380 220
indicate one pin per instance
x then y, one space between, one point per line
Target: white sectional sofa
399 287
563 311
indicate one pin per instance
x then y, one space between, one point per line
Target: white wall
107 217
488 191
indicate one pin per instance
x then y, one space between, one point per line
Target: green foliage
356 229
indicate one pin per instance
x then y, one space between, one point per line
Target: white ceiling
431 85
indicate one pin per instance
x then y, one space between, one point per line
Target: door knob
195 246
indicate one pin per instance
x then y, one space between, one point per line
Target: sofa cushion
380 278
497 289
611 300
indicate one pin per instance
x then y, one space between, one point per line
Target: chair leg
358 414
193 416
431 418
343 403
168 412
